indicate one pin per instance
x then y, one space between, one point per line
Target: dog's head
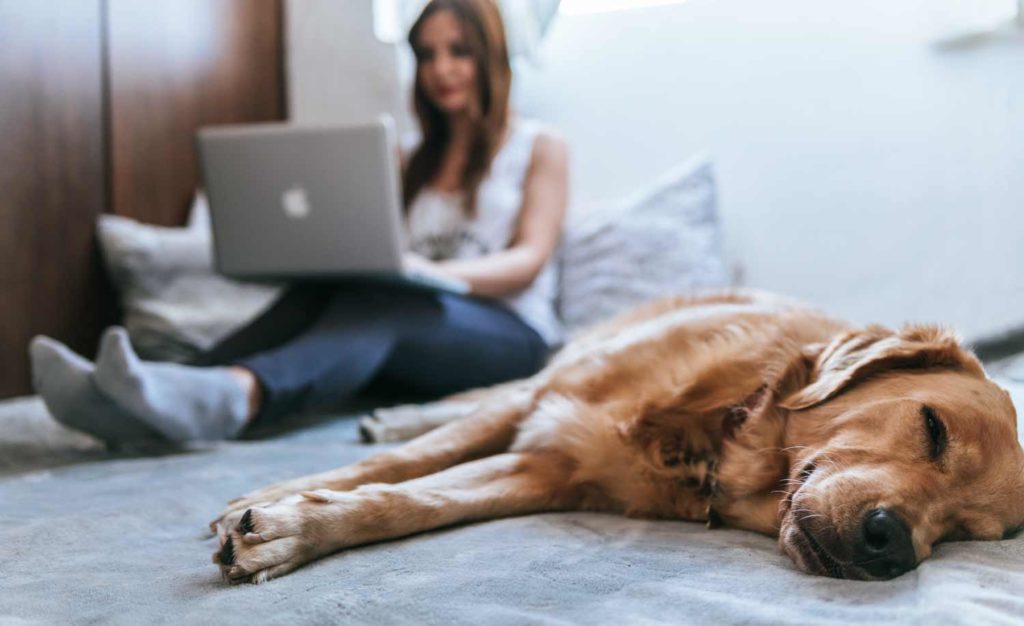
898 441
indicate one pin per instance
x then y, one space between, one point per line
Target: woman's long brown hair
484 36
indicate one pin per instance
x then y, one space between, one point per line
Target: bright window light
582 7
387 20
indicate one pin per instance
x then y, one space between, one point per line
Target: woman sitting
485 196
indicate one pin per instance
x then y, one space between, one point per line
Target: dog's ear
856 355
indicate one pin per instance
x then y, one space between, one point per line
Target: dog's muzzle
884 548
880 547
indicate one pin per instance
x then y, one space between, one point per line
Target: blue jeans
320 343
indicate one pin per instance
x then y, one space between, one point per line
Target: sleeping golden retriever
860 448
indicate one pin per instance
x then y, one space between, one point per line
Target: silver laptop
293 202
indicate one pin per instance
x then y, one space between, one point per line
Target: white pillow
175 306
661 241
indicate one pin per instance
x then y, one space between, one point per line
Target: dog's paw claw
246 524
227 553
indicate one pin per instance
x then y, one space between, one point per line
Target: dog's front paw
270 541
258 498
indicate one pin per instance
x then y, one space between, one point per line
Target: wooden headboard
99 103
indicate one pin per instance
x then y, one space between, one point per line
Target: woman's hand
545 196
419 264
426 268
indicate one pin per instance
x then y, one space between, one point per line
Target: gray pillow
174 305
663 240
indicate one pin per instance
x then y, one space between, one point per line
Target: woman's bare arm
545 196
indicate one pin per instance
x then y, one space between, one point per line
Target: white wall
337 70
859 168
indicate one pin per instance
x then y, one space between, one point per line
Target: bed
88 536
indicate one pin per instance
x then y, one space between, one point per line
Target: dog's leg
489 430
405 422
270 541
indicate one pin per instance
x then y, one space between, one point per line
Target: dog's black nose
884 548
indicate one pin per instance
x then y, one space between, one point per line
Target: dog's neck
724 466
753 465
724 446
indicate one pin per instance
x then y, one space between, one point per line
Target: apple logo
295 203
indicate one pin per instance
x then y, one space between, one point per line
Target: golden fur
740 409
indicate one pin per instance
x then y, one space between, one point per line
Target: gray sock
182 402
65 382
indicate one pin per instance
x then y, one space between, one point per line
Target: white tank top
438 229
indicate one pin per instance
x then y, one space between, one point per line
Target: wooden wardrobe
99 102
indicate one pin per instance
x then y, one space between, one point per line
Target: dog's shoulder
641 409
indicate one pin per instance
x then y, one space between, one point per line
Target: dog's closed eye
936 430
806 472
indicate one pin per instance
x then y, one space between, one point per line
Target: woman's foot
65 382
182 402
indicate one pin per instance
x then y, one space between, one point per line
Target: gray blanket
87 537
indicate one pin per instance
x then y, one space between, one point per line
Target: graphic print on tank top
438 228
448 245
